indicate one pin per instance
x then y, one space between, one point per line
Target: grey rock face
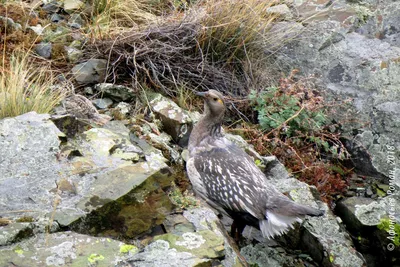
70 185
28 165
341 48
91 71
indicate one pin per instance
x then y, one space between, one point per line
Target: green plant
182 200
277 110
392 228
25 87
293 126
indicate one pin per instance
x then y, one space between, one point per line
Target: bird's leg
237 228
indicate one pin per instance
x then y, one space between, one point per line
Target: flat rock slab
28 164
65 249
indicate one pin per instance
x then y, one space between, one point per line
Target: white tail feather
276 224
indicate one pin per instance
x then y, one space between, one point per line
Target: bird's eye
215 99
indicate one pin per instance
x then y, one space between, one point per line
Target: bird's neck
208 126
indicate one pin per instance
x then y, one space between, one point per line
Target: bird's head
214 103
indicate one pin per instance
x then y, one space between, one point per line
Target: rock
204 219
262 255
51 7
91 184
203 244
281 10
375 220
66 249
61 35
73 54
115 92
10 23
92 71
71 6
381 21
194 238
176 121
369 192
69 124
29 142
102 103
44 50
76 21
15 232
121 111
159 253
354 64
322 238
56 18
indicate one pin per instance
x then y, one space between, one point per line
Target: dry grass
234 29
212 46
25 87
164 58
108 17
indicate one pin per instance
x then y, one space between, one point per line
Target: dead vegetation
209 47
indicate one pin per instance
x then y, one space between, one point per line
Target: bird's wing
229 177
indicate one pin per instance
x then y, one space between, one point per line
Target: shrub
293 126
25 87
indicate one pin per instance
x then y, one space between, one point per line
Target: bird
81 107
228 179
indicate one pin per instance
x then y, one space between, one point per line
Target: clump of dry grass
107 17
233 30
25 87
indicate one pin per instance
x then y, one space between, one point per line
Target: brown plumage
228 179
81 107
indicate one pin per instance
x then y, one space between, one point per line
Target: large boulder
96 182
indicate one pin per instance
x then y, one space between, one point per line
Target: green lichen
392 228
93 258
25 219
380 192
331 258
19 250
126 248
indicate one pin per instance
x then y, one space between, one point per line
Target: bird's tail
280 220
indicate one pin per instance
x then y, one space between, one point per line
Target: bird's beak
202 94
